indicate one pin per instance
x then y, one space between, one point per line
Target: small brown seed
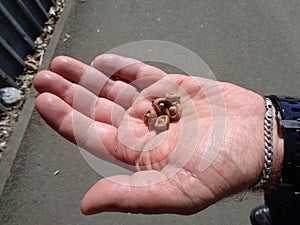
162 123
160 105
172 97
174 113
150 116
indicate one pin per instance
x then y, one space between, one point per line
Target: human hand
216 149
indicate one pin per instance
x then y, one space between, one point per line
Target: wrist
286 136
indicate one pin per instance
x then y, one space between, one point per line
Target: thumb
143 192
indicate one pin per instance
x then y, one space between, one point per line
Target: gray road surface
254 44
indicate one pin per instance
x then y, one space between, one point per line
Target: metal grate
21 22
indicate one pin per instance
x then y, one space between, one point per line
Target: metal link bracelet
269 147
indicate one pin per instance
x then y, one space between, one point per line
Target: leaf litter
14 98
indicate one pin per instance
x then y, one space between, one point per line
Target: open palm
214 150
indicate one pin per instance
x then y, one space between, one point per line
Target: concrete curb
24 118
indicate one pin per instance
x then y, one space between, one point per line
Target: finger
139 193
69 68
94 80
128 69
82 100
98 138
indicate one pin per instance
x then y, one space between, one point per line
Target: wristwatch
288 113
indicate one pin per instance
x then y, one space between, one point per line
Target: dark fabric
284 206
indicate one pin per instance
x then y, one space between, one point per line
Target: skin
225 153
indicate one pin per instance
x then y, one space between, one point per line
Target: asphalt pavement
254 44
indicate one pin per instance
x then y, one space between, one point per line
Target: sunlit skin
228 120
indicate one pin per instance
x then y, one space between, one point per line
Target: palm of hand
199 160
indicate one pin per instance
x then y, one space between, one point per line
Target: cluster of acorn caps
164 111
